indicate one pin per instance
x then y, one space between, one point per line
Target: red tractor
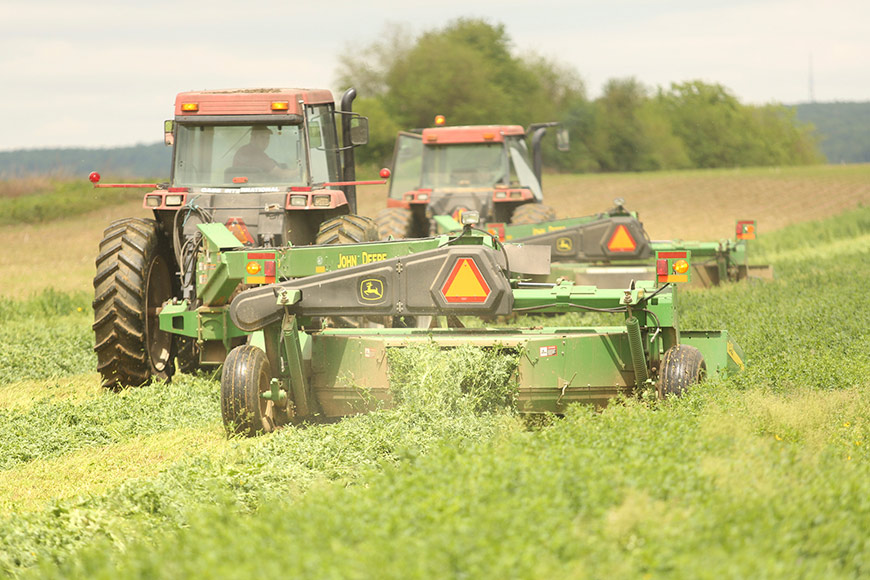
268 164
449 170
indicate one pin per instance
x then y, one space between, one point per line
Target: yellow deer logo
371 289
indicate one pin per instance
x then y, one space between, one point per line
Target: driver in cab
253 156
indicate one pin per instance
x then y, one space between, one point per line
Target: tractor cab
449 170
255 159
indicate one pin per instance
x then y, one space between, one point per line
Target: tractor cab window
471 165
234 155
407 164
521 170
322 144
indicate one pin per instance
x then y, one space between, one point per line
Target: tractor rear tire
682 365
246 374
397 222
533 213
133 280
347 229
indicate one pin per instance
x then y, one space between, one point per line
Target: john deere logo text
564 244
371 289
351 260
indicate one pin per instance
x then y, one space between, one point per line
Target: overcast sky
105 73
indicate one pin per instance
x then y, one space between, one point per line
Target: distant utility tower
812 88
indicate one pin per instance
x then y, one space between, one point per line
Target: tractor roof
250 101
470 134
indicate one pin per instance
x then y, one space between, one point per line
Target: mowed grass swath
760 475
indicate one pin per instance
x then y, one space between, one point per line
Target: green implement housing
611 249
285 365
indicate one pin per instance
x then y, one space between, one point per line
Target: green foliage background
468 72
764 474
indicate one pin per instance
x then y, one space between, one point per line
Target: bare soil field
702 205
689 205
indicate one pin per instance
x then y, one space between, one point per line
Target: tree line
468 72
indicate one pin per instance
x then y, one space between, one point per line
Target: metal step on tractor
267 165
440 172
283 367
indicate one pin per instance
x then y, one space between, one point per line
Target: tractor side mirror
562 142
359 131
168 132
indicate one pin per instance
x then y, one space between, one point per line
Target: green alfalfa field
762 475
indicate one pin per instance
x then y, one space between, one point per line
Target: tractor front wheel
397 222
347 229
533 213
682 365
133 281
245 376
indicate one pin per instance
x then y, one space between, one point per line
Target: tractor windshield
472 165
239 155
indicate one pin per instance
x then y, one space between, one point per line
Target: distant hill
844 129
142 161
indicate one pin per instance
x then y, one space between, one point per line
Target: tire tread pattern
682 366
126 250
533 213
394 221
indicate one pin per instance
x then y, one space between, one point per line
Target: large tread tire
533 213
397 222
682 366
133 280
246 374
347 229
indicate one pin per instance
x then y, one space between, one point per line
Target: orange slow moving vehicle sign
621 240
465 283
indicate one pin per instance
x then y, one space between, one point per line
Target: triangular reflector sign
621 240
465 283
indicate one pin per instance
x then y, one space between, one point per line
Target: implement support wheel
133 281
682 365
246 374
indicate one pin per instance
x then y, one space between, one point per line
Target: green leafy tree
465 71
719 131
632 133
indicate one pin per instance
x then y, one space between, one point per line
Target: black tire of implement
245 375
682 366
533 213
394 221
347 229
133 280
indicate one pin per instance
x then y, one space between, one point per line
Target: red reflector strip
496 229
269 269
661 268
671 255
261 256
